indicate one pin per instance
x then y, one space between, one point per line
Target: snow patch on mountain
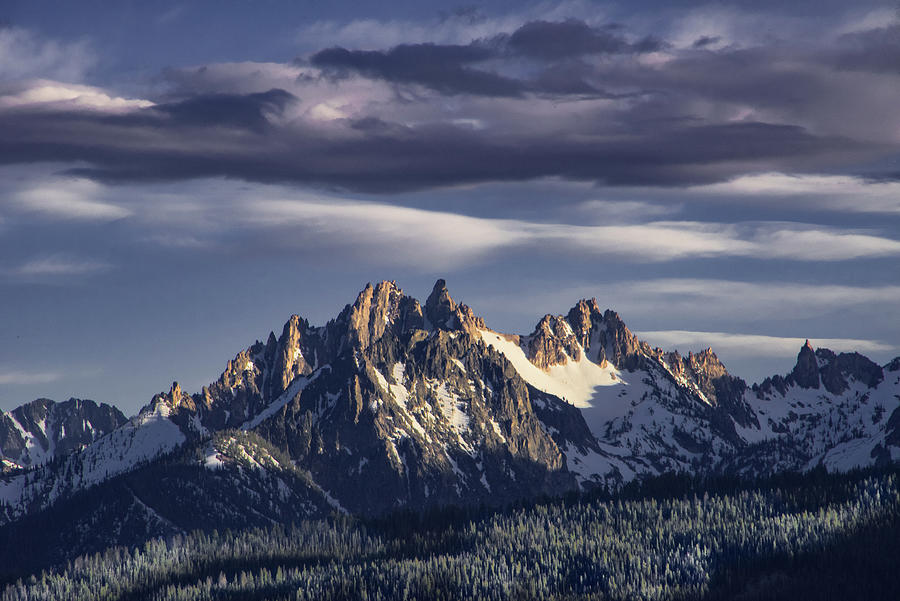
293 389
578 382
143 438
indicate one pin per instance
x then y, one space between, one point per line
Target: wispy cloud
458 26
626 210
750 300
404 236
25 54
55 95
776 306
59 265
830 192
458 237
68 199
16 377
754 345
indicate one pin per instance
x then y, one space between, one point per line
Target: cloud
400 235
448 68
626 210
830 192
533 95
439 67
68 199
15 377
216 213
762 300
871 50
754 345
56 95
666 241
706 40
246 111
425 237
572 37
777 306
168 142
59 265
25 54
453 27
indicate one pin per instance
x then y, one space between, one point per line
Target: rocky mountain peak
176 398
440 307
553 342
443 313
837 370
582 319
707 363
619 344
381 308
36 432
806 373
287 355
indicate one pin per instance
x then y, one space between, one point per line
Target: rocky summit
398 405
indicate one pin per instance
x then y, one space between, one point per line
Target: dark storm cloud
875 50
373 155
705 40
547 100
546 40
440 67
450 69
231 110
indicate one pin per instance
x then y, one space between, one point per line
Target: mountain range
398 405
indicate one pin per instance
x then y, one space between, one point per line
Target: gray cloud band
672 123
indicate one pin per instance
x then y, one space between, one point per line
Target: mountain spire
806 372
439 307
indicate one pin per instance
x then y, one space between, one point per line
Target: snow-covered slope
665 412
139 441
839 419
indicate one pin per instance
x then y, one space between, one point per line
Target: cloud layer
507 101
754 345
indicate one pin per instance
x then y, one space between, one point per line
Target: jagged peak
585 311
382 293
823 367
41 406
706 360
175 398
384 288
837 369
440 306
444 313
377 310
806 372
552 342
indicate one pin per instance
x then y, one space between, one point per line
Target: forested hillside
812 536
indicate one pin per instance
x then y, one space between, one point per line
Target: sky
178 178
